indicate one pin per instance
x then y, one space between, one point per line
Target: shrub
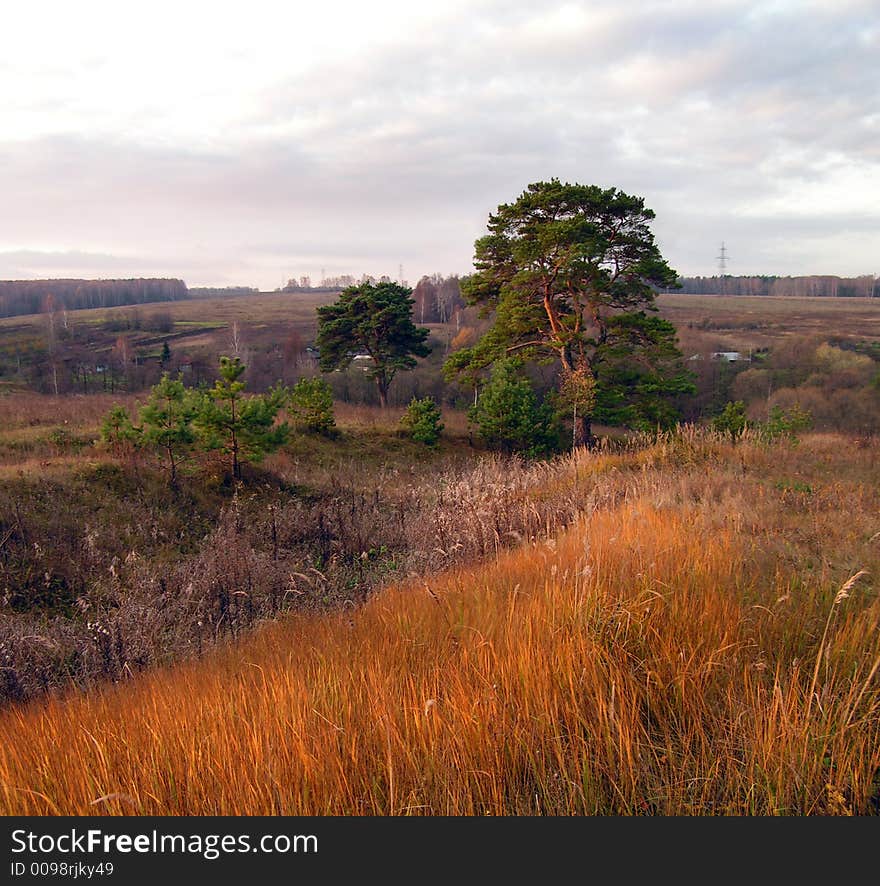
118 433
161 321
508 415
422 421
732 420
311 405
787 422
167 419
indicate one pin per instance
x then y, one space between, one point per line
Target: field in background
740 323
201 328
119 350
701 640
817 355
766 317
267 307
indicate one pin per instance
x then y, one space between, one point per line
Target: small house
729 356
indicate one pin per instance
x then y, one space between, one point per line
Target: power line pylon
722 260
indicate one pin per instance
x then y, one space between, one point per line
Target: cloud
357 142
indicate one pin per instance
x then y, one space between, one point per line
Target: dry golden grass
43 434
670 653
356 416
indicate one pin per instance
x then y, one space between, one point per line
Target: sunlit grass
652 659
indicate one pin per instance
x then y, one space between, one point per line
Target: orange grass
640 663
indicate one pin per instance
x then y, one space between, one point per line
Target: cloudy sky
246 143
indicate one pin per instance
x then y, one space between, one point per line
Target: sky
248 143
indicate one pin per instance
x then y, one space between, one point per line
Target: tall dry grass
22 410
660 656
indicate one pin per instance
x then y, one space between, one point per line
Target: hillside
692 628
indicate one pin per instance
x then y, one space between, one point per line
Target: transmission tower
722 260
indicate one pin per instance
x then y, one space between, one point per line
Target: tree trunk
383 393
583 432
236 464
236 467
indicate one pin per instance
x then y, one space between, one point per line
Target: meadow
690 628
752 323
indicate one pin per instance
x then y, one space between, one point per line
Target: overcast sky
246 143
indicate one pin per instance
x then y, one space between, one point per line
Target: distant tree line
814 285
19 297
333 284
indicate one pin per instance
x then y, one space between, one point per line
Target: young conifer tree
243 428
167 422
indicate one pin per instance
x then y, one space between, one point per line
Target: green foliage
167 422
567 272
797 486
166 353
242 428
65 440
787 423
373 320
508 415
732 420
311 404
639 373
118 433
422 420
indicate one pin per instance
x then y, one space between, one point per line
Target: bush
422 421
732 420
509 417
167 419
311 405
242 428
118 433
787 422
161 321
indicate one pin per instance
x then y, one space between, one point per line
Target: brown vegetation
703 638
738 323
821 355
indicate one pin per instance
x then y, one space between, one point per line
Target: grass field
119 349
268 307
738 323
702 639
